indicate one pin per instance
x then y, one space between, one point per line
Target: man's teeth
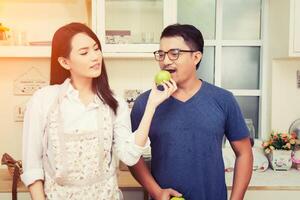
171 70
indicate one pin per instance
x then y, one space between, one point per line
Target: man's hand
166 194
142 174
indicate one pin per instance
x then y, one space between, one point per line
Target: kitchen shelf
45 52
25 51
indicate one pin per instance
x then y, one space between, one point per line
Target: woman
74 127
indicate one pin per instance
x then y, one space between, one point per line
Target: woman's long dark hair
61 47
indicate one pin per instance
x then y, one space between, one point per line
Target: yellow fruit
161 76
177 198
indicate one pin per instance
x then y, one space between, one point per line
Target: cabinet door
130 26
295 28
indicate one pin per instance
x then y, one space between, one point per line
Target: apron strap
62 91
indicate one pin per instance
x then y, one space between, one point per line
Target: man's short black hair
191 35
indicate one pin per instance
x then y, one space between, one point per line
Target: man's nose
167 60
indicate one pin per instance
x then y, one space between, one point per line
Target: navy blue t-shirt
186 140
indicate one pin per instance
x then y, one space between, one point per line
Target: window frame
218 43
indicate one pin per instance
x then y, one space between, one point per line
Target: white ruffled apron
79 165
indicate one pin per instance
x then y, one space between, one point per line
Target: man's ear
198 57
63 62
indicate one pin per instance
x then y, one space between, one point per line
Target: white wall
131 73
10 70
285 98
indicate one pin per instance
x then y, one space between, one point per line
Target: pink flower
293 135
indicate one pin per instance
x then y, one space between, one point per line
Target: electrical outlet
19 112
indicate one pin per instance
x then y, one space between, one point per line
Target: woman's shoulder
47 91
43 97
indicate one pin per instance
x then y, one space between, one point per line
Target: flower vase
280 160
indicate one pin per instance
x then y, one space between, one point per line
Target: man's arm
242 169
142 174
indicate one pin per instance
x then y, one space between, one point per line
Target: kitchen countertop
268 180
271 180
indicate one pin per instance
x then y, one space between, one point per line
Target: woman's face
85 59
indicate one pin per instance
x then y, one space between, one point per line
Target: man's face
184 67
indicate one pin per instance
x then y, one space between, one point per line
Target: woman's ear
64 63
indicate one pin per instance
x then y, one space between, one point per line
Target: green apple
177 198
161 76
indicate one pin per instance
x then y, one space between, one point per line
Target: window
233 52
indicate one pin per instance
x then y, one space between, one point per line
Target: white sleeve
124 139
32 141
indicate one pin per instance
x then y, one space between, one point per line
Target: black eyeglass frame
170 50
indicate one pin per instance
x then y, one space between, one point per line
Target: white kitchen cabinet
132 26
284 28
294 28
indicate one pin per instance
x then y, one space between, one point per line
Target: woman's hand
157 96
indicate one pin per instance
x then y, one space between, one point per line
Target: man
187 129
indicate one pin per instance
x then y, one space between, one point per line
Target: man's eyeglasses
173 54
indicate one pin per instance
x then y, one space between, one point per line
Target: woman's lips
96 66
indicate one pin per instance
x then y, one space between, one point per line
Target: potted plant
279 150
